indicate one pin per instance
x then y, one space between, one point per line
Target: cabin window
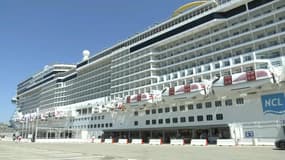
182 108
208 104
153 121
166 109
182 119
160 121
136 113
174 109
136 123
239 101
228 102
147 112
190 107
147 122
160 110
218 103
219 116
199 106
209 117
175 120
200 118
167 120
217 65
191 119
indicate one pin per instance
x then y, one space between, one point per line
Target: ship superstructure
192 76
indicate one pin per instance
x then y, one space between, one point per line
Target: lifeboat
244 82
183 92
141 100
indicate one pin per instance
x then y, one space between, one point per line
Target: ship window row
227 102
96 68
88 96
73 99
131 71
131 65
90 88
127 69
93 77
143 82
138 77
90 126
97 86
93 118
119 55
135 56
89 92
198 118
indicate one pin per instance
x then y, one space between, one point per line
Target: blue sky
35 33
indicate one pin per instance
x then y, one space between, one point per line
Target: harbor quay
88 151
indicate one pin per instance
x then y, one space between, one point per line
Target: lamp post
36 128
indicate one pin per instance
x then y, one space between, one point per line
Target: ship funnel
86 54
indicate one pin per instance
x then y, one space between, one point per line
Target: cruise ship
214 70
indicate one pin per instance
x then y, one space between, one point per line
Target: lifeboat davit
183 92
243 82
141 100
